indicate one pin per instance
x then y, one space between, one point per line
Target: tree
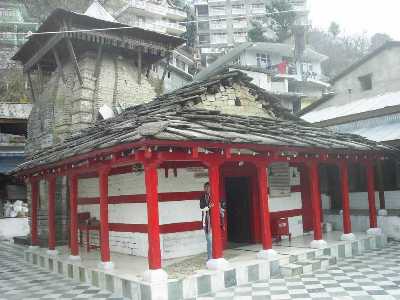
40 9
191 29
334 29
342 51
379 39
256 33
282 18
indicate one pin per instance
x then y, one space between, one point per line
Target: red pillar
371 195
34 208
382 202
344 183
214 174
264 207
104 227
52 213
73 210
153 226
315 199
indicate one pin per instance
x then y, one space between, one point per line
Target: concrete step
307 266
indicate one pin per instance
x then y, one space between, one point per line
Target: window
236 61
263 60
366 82
217 10
180 64
219 38
202 10
204 38
204 26
240 36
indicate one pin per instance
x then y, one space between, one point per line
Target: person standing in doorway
205 205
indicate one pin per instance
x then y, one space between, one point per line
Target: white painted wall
172 244
11 227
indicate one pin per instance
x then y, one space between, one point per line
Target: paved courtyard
373 275
20 280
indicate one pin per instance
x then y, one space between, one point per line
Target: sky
358 16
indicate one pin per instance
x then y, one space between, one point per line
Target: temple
140 173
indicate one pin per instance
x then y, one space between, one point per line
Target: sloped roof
174 117
96 10
353 108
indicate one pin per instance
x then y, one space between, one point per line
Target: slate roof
174 117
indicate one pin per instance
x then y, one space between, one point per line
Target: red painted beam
344 183
315 199
104 226
52 213
164 229
151 182
214 176
162 197
34 211
73 211
266 236
371 195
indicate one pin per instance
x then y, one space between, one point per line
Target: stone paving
20 280
373 275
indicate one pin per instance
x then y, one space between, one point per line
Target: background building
157 15
223 24
273 67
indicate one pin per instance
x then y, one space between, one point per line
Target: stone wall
67 107
235 100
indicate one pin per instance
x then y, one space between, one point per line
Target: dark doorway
238 197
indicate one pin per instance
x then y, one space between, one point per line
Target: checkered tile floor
373 275
19 280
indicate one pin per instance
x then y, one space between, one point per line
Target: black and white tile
20 280
375 274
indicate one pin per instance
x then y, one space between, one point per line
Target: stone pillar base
33 247
217 264
374 231
155 276
268 254
382 212
106 265
347 237
74 258
52 252
318 244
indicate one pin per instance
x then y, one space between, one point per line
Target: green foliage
282 18
12 87
342 50
334 29
191 31
256 33
379 39
40 9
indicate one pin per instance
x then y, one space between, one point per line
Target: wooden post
104 226
74 60
34 211
153 226
214 174
140 53
73 209
264 207
52 213
344 183
315 199
371 195
382 202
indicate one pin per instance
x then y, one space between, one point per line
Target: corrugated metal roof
353 108
379 133
15 110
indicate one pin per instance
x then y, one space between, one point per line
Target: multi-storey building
14 21
157 15
223 24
